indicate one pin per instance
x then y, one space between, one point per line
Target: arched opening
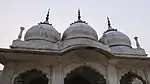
136 81
78 80
132 78
38 81
31 77
84 75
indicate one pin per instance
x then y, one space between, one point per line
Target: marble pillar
111 74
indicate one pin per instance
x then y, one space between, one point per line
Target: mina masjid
76 56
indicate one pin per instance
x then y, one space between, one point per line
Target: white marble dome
80 30
112 37
115 38
42 32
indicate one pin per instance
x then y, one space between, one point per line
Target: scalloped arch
127 78
27 76
88 73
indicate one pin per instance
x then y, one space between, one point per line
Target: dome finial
79 16
47 16
109 24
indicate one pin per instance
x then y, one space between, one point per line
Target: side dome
79 29
42 32
115 38
112 37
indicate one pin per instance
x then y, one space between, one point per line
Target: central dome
80 29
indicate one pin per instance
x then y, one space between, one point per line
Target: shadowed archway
78 80
33 76
129 77
84 75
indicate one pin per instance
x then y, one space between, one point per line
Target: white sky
128 16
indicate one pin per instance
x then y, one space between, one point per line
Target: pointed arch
127 78
32 76
85 73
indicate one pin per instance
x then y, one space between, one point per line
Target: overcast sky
131 17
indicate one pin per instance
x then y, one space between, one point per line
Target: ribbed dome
42 32
112 37
80 29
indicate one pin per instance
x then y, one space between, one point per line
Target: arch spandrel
80 57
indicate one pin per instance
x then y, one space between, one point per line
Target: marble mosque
76 57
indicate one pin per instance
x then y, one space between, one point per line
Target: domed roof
43 31
79 29
112 37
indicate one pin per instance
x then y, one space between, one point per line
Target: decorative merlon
20 34
137 43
